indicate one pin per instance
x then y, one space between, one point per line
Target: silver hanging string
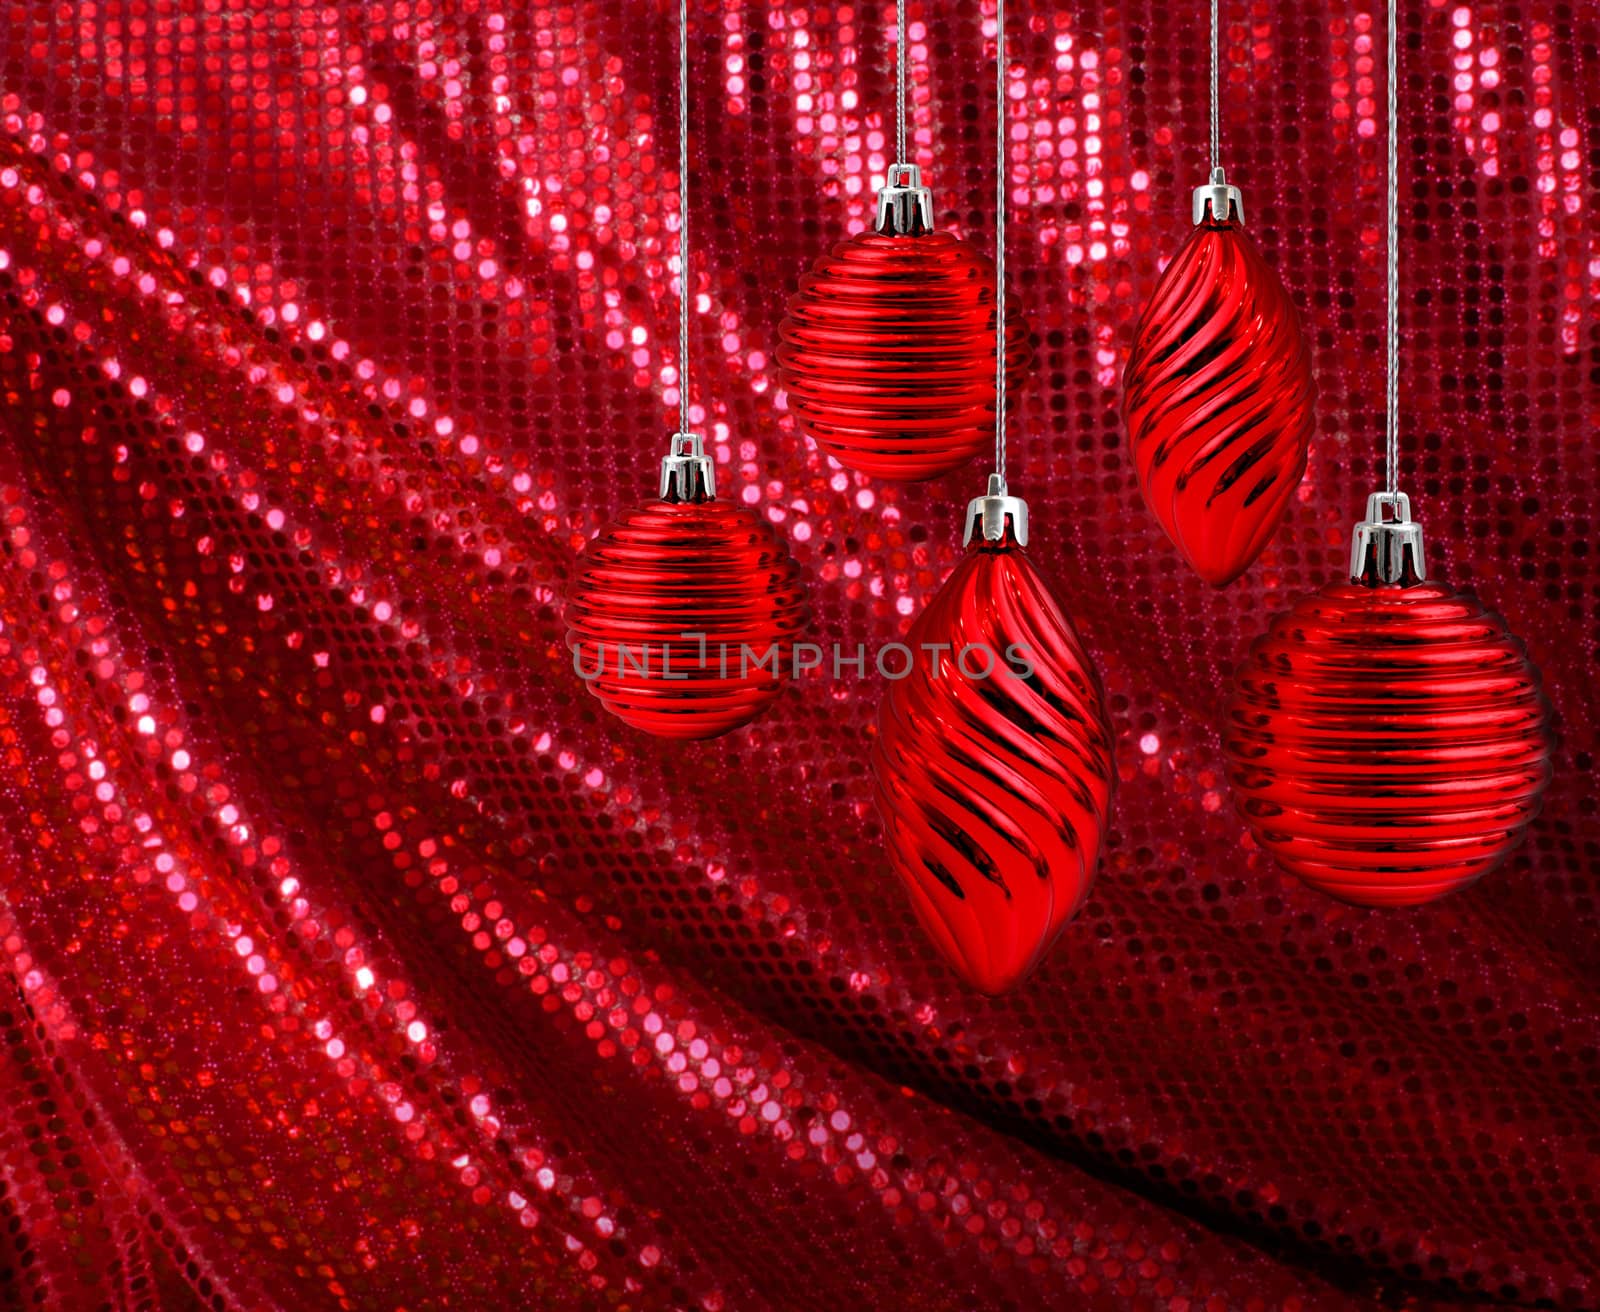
1216 198
687 472
683 216
1386 548
997 515
905 206
1392 394
900 82
1216 82
1000 241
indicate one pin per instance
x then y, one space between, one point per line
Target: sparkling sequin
355 958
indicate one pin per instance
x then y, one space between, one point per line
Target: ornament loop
905 206
1387 546
1223 201
995 515
687 472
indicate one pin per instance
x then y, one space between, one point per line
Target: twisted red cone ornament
887 353
682 617
994 791
1217 397
1388 744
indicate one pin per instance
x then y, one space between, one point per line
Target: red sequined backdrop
353 958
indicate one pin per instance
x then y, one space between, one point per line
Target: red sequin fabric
353 957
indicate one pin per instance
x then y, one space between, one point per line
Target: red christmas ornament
1218 393
683 613
993 766
1387 739
887 352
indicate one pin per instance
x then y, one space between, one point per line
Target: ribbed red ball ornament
993 762
1387 739
1218 394
887 351
683 613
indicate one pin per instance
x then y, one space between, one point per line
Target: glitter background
353 958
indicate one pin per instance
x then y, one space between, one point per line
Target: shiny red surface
682 617
888 354
1219 401
1388 745
992 769
357 958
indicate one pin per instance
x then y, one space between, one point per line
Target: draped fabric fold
352 958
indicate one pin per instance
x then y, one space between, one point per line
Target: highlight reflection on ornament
993 761
1218 394
887 353
683 613
1387 738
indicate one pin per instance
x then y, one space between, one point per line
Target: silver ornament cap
687 472
989 515
1224 201
1386 547
905 206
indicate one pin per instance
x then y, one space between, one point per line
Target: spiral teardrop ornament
1217 397
887 353
682 617
1388 745
993 769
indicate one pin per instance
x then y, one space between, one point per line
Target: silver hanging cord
683 216
1216 82
687 472
997 515
1000 240
1215 198
900 82
1386 548
905 206
1392 395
